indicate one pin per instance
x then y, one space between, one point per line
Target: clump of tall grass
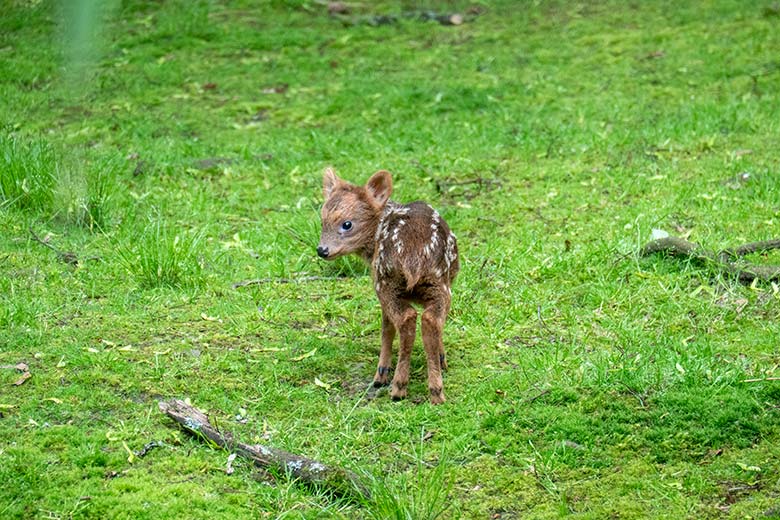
423 495
27 174
162 256
34 177
86 194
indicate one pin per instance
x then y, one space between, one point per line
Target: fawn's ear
380 186
329 181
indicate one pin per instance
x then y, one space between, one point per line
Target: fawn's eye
346 226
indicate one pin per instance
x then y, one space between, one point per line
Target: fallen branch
260 281
340 481
726 260
391 19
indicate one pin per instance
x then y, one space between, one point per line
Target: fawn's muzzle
322 251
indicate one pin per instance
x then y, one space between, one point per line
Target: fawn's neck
367 252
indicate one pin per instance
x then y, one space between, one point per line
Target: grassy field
153 154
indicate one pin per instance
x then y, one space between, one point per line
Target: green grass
161 257
28 174
177 148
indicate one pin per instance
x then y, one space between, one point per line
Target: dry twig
69 257
260 281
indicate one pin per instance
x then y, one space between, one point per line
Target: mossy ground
177 147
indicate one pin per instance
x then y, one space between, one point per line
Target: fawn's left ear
329 181
380 186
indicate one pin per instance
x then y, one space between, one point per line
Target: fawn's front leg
382 375
432 325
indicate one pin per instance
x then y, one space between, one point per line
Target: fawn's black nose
322 251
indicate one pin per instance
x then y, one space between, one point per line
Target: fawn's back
415 249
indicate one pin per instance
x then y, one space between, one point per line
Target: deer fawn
414 259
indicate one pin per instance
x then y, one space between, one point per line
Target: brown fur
414 259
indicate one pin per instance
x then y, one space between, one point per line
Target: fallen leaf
131 455
335 8
304 356
229 468
7 406
321 384
25 376
207 317
655 55
277 89
53 400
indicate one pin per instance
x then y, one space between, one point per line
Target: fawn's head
350 214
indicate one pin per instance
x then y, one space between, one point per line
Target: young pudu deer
414 259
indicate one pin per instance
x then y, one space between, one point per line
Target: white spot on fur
449 253
399 246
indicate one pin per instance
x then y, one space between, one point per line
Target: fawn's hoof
381 378
437 396
398 393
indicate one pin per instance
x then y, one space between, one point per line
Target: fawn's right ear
380 186
329 181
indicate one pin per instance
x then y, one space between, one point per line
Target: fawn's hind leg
433 318
442 353
404 317
382 375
